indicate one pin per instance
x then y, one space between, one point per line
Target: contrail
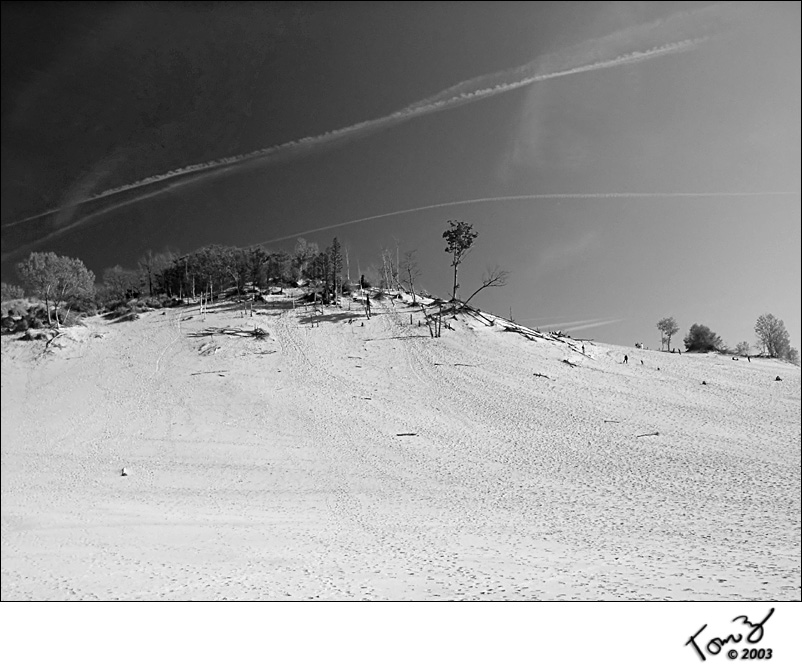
586 325
87 218
580 324
593 325
586 57
535 197
541 319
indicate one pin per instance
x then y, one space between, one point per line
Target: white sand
284 477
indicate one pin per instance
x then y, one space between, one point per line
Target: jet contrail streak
536 197
539 70
580 324
88 218
593 325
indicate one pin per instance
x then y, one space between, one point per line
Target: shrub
32 335
37 310
120 309
83 304
701 339
71 319
10 292
18 307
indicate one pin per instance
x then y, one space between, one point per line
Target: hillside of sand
345 458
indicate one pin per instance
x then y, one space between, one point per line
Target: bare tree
397 268
667 327
336 259
411 270
772 335
120 283
152 265
460 238
304 254
52 277
742 349
389 270
494 277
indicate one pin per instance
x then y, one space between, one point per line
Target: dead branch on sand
53 339
649 434
256 332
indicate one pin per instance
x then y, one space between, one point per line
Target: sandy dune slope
365 460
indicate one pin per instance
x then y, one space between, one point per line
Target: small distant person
748 359
626 359
583 348
367 306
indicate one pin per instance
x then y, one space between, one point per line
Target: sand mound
332 460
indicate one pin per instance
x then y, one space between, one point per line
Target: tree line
66 285
772 339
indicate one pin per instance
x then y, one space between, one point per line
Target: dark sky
98 96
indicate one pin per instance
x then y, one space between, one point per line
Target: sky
624 161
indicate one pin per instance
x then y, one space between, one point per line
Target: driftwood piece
59 334
541 375
200 373
407 434
648 434
565 361
256 332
